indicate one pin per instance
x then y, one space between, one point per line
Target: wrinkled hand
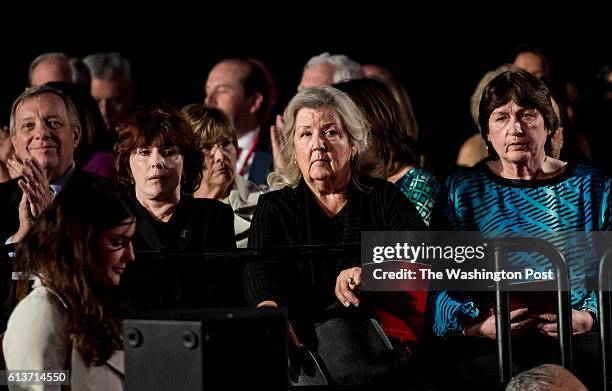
26 220
35 186
37 195
347 283
277 139
486 328
15 167
582 322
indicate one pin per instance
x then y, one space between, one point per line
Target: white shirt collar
248 138
60 182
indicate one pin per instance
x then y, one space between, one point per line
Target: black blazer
292 217
197 225
181 280
261 166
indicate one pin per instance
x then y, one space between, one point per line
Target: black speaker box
206 350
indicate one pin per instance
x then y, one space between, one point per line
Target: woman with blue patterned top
521 188
394 153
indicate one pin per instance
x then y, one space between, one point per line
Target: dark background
438 54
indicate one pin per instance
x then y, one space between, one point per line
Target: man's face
50 70
43 131
317 75
114 98
225 91
530 62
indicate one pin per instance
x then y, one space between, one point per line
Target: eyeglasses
210 149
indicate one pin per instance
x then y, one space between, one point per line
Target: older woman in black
158 156
325 200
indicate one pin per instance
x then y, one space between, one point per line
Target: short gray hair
33 92
345 68
547 377
51 56
79 73
108 66
352 121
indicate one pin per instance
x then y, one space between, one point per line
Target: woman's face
157 172
219 164
114 249
322 148
517 134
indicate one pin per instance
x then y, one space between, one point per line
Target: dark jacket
262 163
197 225
292 217
183 277
10 197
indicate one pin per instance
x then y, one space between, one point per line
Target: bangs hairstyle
524 89
351 119
209 124
159 126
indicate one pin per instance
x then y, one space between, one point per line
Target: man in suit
45 131
111 86
239 88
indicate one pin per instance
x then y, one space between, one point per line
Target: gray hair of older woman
524 89
353 122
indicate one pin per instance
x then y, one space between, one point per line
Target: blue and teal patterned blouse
477 200
422 188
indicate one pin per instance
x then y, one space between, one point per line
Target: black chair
605 274
502 301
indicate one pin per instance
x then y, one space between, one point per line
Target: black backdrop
439 54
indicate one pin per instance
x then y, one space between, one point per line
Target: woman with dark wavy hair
157 155
70 317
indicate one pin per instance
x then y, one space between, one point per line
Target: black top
292 217
197 225
185 278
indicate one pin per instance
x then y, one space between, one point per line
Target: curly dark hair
162 126
60 250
